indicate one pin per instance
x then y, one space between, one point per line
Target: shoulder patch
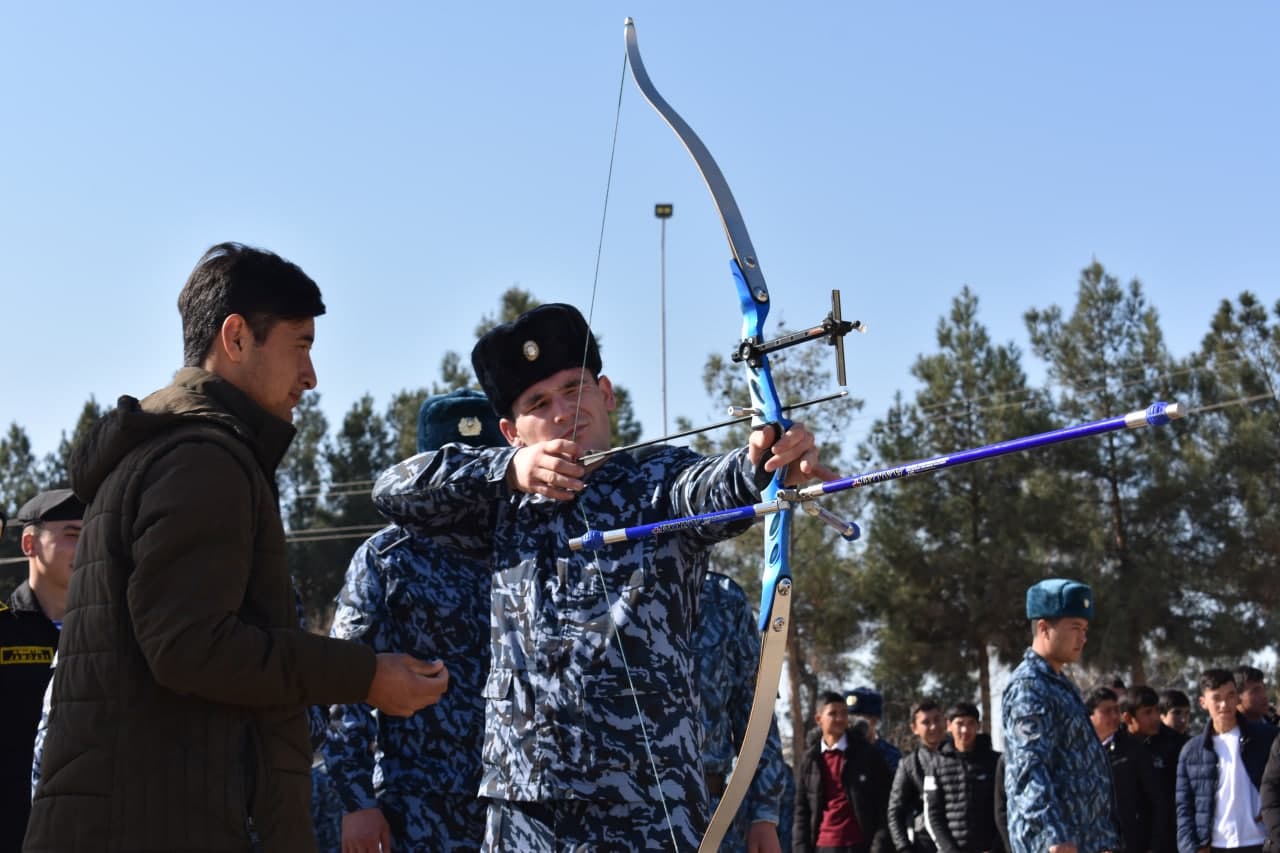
4 607
1029 727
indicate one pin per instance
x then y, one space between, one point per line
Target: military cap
55 505
865 702
1056 598
463 416
508 359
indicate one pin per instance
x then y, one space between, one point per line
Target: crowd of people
486 687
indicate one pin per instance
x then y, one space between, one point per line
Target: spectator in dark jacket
906 800
842 788
1270 796
1002 806
1175 710
1251 685
959 787
1133 777
1219 774
1141 715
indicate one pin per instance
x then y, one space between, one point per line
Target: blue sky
419 158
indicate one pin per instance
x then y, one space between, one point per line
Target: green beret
1056 598
511 358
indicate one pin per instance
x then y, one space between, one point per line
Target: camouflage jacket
581 640
1057 776
405 594
728 655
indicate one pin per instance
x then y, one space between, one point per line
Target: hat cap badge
469 426
531 350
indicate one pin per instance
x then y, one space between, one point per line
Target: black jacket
1137 790
1164 747
27 643
1270 791
959 798
906 805
866 784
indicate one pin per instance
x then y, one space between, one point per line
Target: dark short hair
1245 675
1097 696
925 704
1139 696
1212 679
963 709
1171 698
231 278
829 696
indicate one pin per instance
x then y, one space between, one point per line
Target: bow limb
775 602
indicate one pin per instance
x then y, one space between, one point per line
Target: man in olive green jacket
179 699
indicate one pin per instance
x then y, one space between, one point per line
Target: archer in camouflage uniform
406 593
584 748
1057 776
728 646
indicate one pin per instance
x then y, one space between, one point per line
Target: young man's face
1105 718
51 545
1178 719
1143 722
964 732
1221 704
275 372
569 404
1065 639
1253 701
929 727
833 719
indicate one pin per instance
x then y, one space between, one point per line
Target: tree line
1176 528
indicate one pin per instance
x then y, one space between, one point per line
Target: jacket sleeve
1002 806
881 780
1185 802
192 539
1035 816
449 495
1270 792
801 840
935 808
904 799
712 483
361 616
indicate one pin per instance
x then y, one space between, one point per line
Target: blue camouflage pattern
1057 776
326 809
561 718
582 826
891 754
728 657
787 810
405 593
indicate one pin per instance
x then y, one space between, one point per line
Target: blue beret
865 701
510 358
1056 598
460 416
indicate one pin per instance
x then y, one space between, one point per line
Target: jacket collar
1242 726
24 599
